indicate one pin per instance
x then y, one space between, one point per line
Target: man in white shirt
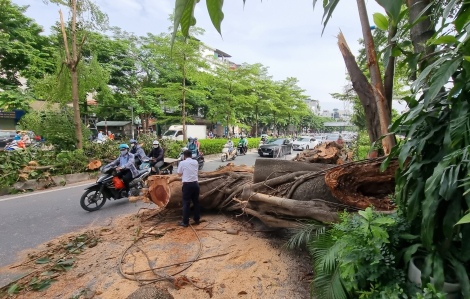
188 170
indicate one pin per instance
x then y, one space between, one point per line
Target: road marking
42 192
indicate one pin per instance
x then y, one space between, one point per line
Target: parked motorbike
226 154
241 150
199 158
95 195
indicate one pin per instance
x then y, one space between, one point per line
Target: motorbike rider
192 147
244 142
137 151
197 143
126 167
230 145
157 156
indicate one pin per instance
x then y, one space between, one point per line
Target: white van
176 132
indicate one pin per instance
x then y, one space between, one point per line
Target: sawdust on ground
250 265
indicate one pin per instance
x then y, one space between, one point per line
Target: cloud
284 35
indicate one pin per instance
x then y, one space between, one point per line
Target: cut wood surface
362 184
326 153
95 164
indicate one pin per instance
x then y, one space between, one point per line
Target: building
326 113
313 105
124 128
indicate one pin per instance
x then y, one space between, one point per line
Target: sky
285 35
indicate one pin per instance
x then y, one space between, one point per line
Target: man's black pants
191 194
126 176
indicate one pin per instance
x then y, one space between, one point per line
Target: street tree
231 93
23 52
85 16
182 66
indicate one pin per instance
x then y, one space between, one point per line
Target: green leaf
465 219
328 9
13 289
440 78
181 6
380 233
392 7
67 262
215 12
409 237
409 252
383 220
43 260
187 19
445 39
381 21
396 52
427 269
462 275
438 272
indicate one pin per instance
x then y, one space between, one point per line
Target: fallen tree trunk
281 200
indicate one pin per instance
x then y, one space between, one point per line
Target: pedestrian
188 171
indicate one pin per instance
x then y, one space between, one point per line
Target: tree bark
184 100
256 113
422 31
363 90
383 108
390 71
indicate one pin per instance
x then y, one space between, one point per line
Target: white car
320 139
304 142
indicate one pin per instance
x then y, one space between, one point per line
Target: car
320 139
304 142
332 137
6 137
276 147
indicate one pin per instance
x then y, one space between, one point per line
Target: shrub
56 127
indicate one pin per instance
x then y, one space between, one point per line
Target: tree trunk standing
228 118
363 89
422 31
183 109
390 71
376 79
274 120
256 113
72 63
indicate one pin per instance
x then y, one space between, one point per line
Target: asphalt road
28 220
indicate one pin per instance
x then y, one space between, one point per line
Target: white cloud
284 35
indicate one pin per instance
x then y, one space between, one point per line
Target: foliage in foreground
361 257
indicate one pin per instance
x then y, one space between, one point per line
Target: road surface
28 220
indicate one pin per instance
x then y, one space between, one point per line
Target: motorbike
96 195
226 154
199 158
241 150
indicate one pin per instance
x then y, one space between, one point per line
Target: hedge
215 146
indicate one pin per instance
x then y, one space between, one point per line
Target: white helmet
156 142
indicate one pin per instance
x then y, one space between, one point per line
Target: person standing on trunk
188 171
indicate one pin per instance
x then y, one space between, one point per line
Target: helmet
133 141
123 146
155 142
190 138
195 138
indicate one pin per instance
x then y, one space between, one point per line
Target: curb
54 181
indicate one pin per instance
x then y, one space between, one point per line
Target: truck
175 132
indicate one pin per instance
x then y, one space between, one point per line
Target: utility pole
383 108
